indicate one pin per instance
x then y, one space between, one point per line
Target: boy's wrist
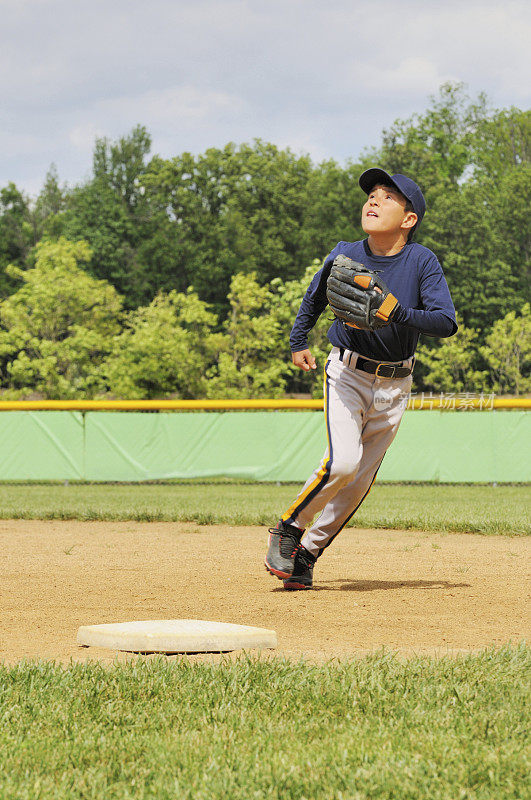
399 314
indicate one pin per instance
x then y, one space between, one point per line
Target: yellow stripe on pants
325 466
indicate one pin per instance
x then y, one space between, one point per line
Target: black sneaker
283 543
302 576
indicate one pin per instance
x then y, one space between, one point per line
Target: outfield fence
280 445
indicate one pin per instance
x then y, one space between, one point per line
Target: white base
175 636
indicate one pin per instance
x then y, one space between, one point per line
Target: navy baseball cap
405 186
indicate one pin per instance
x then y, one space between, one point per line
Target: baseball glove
358 296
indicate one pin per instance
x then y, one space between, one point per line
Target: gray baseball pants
362 413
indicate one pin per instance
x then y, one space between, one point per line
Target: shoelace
289 542
305 557
288 545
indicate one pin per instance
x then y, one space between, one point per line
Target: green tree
16 233
508 352
199 220
478 267
57 328
122 164
434 147
502 142
473 166
165 349
251 360
109 212
49 204
332 201
508 201
287 299
450 366
502 187
236 209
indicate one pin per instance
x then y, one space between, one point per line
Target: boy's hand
304 360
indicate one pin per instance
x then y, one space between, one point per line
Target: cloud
408 77
187 104
323 78
82 137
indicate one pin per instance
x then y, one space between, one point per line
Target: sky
322 77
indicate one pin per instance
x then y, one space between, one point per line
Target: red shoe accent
277 572
289 585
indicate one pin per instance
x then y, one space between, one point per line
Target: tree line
181 277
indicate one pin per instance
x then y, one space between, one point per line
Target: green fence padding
450 447
468 447
40 445
287 446
259 445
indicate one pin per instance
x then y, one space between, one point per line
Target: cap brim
371 177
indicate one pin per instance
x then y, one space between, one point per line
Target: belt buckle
385 366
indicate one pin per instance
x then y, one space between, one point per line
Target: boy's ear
409 221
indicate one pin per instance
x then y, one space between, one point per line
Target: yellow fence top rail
417 402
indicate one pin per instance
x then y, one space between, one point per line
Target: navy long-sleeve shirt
416 279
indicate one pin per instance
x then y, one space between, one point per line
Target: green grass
375 728
475 509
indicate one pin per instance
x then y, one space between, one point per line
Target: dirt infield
410 592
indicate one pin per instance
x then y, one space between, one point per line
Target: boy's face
384 212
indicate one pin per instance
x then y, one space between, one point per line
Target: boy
367 374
